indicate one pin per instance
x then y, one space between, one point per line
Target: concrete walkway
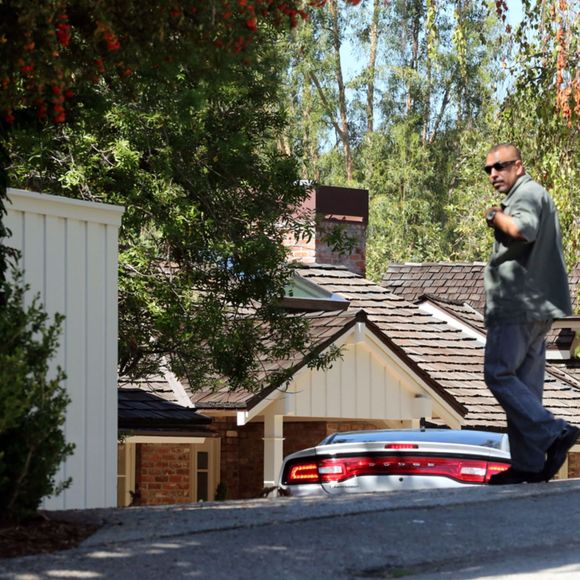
525 531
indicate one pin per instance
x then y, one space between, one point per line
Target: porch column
273 448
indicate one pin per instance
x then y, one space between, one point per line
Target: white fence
69 256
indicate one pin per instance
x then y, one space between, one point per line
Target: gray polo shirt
526 280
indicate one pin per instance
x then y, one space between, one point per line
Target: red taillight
493 468
303 473
341 469
401 446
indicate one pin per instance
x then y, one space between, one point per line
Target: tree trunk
415 26
344 133
374 38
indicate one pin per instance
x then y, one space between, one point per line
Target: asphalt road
525 531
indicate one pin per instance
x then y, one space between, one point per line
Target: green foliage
405 215
32 444
432 93
209 199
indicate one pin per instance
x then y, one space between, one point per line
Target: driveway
484 532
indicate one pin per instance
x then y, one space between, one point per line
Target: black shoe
512 476
558 451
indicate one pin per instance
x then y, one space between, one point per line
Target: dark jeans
515 358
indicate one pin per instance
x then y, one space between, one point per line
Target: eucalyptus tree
540 113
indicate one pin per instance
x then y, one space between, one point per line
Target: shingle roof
458 281
447 359
325 328
462 283
142 410
447 355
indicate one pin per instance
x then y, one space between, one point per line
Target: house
402 362
163 448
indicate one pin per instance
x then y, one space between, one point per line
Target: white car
387 460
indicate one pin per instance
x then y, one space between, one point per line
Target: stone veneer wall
163 474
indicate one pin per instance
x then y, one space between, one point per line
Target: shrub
32 403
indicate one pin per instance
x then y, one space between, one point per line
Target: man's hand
490 215
497 219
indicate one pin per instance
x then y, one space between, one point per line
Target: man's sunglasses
499 166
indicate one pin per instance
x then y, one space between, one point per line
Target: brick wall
318 251
302 250
162 474
355 233
574 464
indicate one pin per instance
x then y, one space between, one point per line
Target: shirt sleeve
526 211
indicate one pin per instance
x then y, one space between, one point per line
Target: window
205 469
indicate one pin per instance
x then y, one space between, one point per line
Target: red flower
41 111
9 118
63 34
112 41
252 23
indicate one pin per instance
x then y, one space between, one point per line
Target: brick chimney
340 212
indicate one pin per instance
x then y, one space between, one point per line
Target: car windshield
481 438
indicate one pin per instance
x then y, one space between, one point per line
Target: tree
187 144
540 115
426 82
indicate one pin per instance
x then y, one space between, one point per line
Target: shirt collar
520 181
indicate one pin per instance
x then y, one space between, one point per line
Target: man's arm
497 219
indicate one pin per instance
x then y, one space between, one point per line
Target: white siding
366 383
69 256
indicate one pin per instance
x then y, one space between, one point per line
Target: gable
361 386
368 382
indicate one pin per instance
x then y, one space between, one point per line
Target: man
526 287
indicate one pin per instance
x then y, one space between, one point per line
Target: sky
352 63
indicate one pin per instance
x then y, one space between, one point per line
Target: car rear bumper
372 483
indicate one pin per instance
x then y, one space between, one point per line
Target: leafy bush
32 403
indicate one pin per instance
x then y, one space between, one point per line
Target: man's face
503 168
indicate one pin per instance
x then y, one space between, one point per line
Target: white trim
571 322
64 207
557 354
440 314
165 439
128 450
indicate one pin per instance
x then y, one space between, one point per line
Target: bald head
509 148
504 166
